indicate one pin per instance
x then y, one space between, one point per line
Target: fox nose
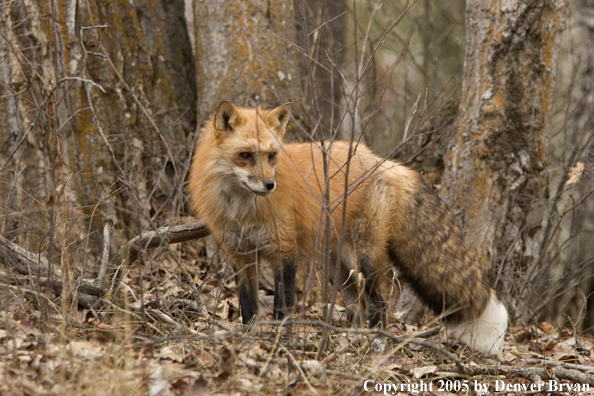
269 184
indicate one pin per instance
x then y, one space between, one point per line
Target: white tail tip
486 333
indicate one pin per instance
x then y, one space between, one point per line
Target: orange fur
292 214
264 201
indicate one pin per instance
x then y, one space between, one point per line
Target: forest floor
155 343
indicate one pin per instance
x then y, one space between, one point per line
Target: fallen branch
164 235
35 270
87 294
168 319
35 267
29 264
25 262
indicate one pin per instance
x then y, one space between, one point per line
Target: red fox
263 200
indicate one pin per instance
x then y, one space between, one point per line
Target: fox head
250 141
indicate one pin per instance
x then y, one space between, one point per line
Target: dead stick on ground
169 234
168 319
87 294
105 253
35 268
29 263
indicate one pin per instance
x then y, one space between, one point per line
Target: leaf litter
156 344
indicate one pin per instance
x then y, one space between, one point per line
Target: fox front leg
284 288
248 291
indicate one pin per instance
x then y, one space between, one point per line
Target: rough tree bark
144 92
495 178
244 53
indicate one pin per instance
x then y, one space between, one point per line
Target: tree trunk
495 177
140 72
564 283
320 29
245 54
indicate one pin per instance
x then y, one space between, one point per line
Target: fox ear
279 117
226 118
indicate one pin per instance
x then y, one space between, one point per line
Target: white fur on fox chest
245 233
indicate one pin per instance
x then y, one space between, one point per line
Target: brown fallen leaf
26 326
547 328
199 388
169 353
523 334
418 372
101 325
181 385
226 363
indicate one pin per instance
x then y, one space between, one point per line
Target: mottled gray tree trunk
59 179
245 53
495 177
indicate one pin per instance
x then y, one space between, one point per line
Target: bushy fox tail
485 333
427 247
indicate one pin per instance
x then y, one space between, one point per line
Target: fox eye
271 157
245 156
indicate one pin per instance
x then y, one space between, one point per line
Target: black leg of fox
284 289
347 284
248 292
355 299
375 302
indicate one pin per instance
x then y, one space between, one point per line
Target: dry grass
154 343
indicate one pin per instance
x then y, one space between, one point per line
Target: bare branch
164 235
